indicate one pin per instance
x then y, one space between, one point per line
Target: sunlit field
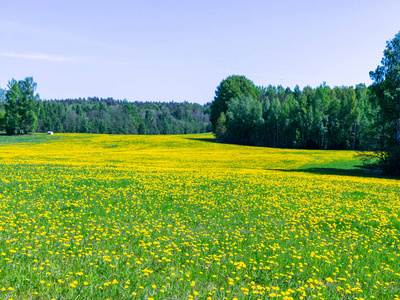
182 217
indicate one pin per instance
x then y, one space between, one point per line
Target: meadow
182 217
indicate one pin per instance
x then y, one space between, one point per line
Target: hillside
178 217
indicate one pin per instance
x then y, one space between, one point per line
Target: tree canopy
20 106
234 86
319 118
97 115
2 112
386 93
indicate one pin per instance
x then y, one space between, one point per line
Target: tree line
273 116
20 113
340 118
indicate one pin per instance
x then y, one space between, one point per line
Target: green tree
2 120
386 91
13 96
244 120
84 126
220 128
2 112
28 105
31 122
20 106
234 86
2 97
150 122
275 112
361 116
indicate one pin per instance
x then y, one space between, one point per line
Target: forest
97 115
319 118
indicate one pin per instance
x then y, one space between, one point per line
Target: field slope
180 217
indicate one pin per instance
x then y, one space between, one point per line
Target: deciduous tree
20 106
234 86
386 91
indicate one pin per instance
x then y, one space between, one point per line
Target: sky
155 50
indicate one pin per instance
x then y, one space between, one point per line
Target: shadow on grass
203 140
370 171
214 140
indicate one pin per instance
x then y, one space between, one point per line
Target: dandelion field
182 217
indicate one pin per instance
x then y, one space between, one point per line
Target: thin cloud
49 57
42 56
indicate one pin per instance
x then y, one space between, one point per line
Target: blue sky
181 50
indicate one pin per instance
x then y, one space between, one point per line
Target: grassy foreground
180 217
